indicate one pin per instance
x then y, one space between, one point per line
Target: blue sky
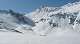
30 5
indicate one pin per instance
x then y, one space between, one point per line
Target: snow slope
57 19
31 38
10 20
60 24
43 20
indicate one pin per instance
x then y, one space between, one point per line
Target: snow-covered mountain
10 20
57 19
43 20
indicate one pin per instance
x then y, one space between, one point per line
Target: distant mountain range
10 20
43 20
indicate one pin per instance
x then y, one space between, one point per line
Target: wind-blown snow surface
47 25
31 38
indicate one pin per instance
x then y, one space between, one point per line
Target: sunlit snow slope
60 24
57 19
43 20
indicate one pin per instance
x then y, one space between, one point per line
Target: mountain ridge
43 20
64 18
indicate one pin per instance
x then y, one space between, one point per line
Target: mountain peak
64 18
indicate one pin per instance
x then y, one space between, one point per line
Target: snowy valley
45 25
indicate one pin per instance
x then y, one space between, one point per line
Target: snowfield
46 25
32 38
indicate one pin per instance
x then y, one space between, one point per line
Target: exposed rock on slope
59 19
10 20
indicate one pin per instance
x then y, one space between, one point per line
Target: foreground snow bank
31 38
